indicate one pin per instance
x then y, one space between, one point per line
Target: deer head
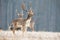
30 12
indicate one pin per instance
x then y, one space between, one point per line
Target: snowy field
8 35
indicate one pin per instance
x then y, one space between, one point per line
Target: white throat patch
28 22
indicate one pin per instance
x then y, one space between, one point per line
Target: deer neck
28 22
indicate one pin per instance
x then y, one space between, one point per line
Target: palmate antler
23 6
19 14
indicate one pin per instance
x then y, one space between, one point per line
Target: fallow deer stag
24 23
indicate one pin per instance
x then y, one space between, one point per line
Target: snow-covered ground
19 35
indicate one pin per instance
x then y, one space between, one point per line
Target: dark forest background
46 13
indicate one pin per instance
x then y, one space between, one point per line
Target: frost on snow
19 35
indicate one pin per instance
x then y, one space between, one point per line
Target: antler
20 15
17 12
23 6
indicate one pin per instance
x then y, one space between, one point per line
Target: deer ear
28 12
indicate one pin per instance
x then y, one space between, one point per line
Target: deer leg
32 26
14 28
23 28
